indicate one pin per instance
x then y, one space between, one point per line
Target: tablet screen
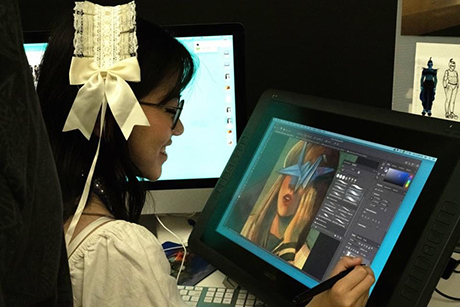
310 196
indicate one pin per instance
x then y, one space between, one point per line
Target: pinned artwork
436 81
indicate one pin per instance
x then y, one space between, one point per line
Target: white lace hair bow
104 59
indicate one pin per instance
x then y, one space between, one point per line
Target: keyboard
218 297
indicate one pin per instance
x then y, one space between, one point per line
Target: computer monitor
35 45
214 115
313 179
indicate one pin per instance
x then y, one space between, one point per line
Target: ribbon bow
102 85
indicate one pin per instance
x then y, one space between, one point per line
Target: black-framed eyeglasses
174 111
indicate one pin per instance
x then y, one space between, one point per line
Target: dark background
341 49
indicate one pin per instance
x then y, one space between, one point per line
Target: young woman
118 262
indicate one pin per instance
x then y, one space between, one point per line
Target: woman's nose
179 129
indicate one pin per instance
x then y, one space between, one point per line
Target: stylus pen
305 297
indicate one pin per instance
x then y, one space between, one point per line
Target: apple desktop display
312 180
214 115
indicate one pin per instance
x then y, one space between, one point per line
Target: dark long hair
161 58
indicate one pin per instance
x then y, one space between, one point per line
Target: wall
337 49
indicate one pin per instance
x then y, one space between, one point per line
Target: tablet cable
450 268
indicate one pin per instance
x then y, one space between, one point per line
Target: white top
121 264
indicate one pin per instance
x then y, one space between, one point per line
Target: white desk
182 229
450 287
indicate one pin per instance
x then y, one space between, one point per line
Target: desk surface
450 287
182 229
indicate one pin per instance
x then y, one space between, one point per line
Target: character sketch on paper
450 83
282 222
428 84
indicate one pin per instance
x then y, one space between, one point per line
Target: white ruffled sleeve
122 264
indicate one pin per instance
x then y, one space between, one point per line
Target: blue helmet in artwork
302 173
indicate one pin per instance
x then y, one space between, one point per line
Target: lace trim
106 33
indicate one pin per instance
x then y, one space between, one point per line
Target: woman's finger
345 263
363 286
357 282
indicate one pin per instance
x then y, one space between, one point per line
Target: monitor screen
34 54
211 103
214 114
313 180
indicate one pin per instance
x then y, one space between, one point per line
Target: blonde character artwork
282 222
450 83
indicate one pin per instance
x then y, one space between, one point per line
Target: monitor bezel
272 285
31 37
234 29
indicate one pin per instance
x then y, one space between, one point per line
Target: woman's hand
350 291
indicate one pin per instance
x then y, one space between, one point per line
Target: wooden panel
432 19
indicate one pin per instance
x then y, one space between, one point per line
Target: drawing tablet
313 180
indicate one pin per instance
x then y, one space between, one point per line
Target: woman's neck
95 205
94 209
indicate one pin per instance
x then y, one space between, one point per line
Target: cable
450 268
171 248
180 241
447 296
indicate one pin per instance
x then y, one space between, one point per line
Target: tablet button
243 141
230 166
444 217
221 185
408 293
435 237
449 207
428 250
422 263
439 227
236 155
417 273
412 283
